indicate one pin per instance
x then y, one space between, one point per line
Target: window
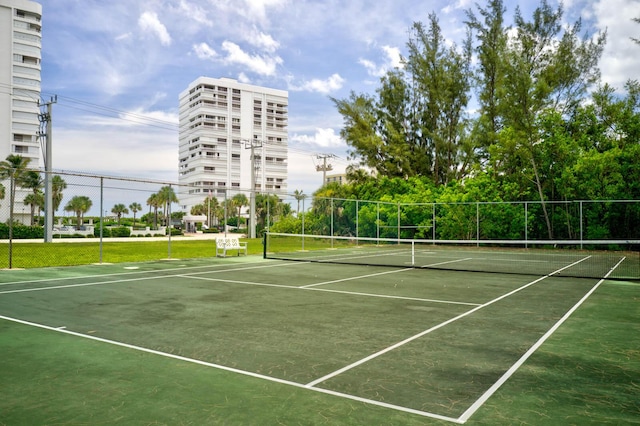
22 138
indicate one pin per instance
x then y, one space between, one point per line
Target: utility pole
253 144
46 132
324 168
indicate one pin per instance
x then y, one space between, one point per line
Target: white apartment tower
221 122
20 55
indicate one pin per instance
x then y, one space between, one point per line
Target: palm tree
32 180
2 191
166 196
13 168
119 210
135 208
154 202
299 196
239 200
212 206
79 204
198 209
57 186
228 209
33 200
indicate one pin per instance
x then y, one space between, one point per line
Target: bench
229 243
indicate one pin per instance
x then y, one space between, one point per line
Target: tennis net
614 259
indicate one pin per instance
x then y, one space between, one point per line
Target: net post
413 253
101 216
264 245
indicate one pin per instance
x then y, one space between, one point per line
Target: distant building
220 120
341 179
20 57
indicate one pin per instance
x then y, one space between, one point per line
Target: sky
118 66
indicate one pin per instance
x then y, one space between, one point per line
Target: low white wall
162 230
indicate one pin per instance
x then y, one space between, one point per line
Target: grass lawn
39 255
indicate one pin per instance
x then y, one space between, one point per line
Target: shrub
21 232
106 232
121 231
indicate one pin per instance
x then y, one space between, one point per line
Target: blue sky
118 67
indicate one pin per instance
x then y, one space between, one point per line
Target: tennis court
429 344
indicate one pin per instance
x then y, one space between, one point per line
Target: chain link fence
580 220
94 211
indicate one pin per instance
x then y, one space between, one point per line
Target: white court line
480 401
155 277
80 277
357 278
352 293
447 262
425 332
235 370
193 276
329 258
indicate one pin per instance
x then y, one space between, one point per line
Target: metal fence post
526 225
101 213
581 235
378 220
477 224
399 235
433 222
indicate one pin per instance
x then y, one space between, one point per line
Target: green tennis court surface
254 341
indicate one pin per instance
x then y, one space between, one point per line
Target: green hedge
121 231
21 232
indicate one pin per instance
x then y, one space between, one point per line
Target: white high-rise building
20 55
221 122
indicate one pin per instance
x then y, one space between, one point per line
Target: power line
143 120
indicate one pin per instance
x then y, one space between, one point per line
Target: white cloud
393 54
195 13
392 60
141 154
163 119
256 10
458 5
149 22
263 41
323 138
125 36
204 51
331 84
620 58
261 64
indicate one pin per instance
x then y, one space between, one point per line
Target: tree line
15 169
546 128
269 208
